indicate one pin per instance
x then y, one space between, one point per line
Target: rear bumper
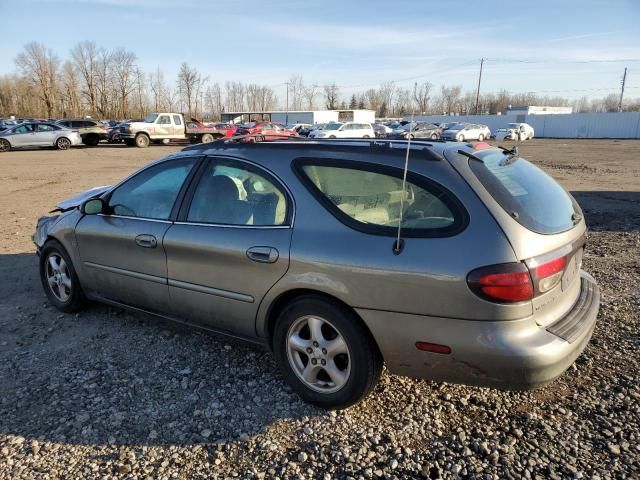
510 355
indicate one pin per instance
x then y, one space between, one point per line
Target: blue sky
572 47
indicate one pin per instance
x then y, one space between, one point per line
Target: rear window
529 195
369 198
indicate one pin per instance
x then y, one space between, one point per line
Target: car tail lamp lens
548 274
506 283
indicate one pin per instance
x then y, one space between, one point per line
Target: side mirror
93 206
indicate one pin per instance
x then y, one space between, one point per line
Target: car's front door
22 136
229 246
122 254
178 129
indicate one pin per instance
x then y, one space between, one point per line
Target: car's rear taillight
548 274
506 282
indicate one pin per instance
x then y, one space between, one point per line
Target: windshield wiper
511 154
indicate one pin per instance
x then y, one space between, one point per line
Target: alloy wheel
58 277
318 354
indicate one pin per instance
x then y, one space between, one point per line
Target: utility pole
624 79
286 115
479 79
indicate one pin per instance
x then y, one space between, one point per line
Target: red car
225 129
265 130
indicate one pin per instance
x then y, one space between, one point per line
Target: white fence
575 125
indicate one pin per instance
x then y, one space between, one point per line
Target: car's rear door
122 253
229 246
45 134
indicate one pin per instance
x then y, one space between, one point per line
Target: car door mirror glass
93 206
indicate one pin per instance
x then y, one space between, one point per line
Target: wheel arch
266 327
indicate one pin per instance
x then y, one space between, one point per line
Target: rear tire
207 138
91 140
460 138
365 136
63 143
59 278
480 137
312 329
5 146
434 136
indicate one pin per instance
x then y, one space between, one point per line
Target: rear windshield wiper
511 154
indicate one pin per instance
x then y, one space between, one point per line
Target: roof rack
375 144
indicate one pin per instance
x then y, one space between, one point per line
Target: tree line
94 81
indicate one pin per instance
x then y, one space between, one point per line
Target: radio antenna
399 243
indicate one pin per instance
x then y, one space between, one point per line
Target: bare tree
190 83
85 58
422 96
402 102
40 67
310 92
213 98
450 98
158 89
69 90
331 95
296 92
104 83
124 74
235 96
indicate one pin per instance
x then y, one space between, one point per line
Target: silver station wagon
466 270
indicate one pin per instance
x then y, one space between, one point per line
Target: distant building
536 110
301 116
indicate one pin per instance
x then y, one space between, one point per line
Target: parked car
462 132
7 123
38 134
416 130
485 286
344 130
166 127
515 131
91 131
298 127
380 130
265 131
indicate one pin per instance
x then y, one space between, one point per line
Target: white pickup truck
167 127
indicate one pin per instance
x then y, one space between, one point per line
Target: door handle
146 241
263 254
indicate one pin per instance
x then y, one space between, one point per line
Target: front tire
434 136
5 146
480 137
460 138
325 353
63 143
59 278
142 140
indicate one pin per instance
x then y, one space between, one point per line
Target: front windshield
332 126
150 118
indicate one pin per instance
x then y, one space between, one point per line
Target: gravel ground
111 394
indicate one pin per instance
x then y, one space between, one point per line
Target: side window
26 128
43 127
368 198
152 192
77 124
164 120
234 193
177 120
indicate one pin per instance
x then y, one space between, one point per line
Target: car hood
77 200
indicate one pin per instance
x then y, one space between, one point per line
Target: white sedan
344 130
